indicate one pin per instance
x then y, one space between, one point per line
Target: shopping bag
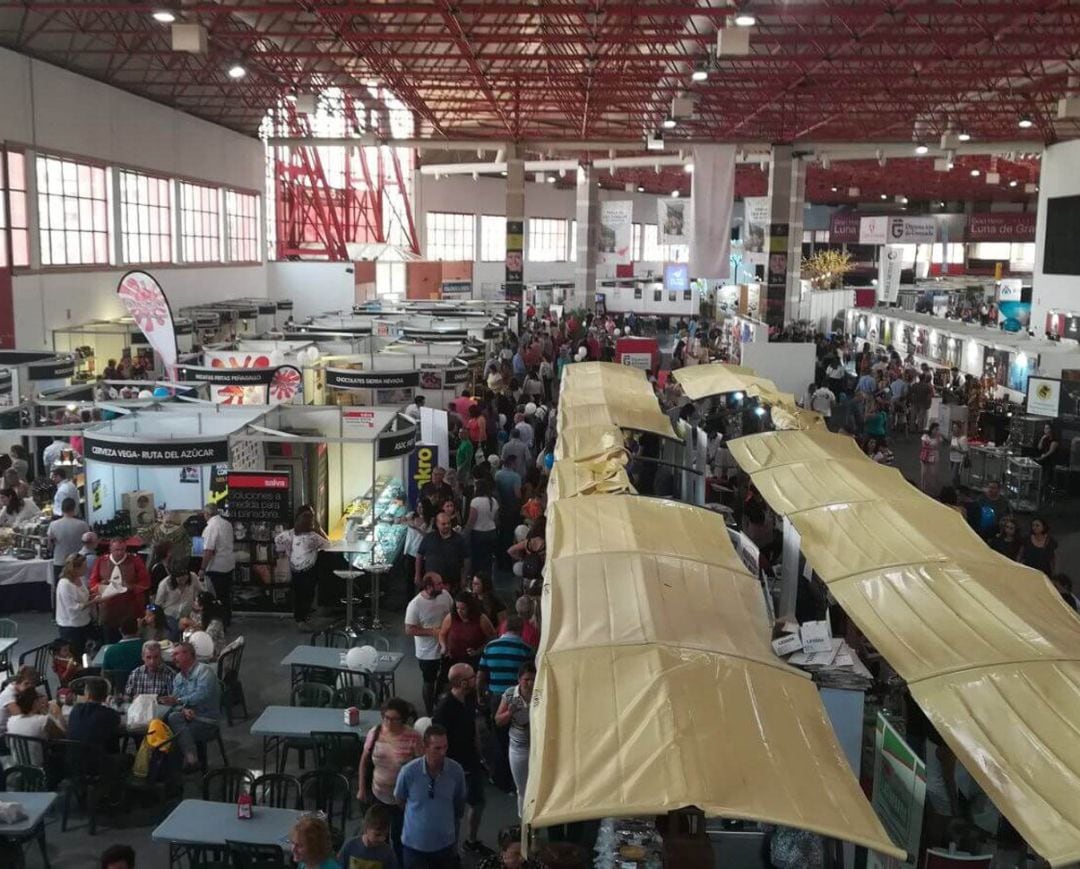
141 711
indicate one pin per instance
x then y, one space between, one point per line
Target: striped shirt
501 659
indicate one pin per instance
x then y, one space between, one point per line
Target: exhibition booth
94 343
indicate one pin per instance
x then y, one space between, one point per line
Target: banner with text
1018 227
616 232
756 212
889 267
260 496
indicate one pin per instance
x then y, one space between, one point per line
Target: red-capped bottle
243 807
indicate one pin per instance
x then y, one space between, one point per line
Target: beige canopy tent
988 648
606 474
658 687
602 394
719 378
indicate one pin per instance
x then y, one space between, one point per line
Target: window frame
556 250
485 251
8 195
166 234
466 229
211 242
232 239
63 204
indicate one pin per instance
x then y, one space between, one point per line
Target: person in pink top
388 747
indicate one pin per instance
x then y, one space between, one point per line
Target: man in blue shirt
196 703
432 791
498 668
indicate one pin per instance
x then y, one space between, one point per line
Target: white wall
47 108
314 287
1059 177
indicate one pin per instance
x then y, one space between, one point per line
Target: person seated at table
195 702
93 722
123 657
118 857
371 849
65 662
208 615
311 845
177 593
26 677
153 626
36 716
151 677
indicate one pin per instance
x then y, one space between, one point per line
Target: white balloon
145 393
520 533
519 570
361 658
421 725
203 644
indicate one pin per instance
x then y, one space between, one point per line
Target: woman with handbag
388 747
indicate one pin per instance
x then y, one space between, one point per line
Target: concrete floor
268 640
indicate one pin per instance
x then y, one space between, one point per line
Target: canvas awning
718 378
596 394
606 475
659 688
988 648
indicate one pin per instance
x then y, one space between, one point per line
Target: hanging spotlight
291 96
701 72
674 194
551 179
975 173
669 123
640 189
963 136
236 71
688 168
835 188
163 16
745 19
884 195
1014 183
921 149
1025 122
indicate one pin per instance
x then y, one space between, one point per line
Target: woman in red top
465 632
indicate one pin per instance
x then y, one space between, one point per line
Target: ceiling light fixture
674 194
236 71
975 173
163 16
1025 122
640 189
834 189
884 196
1014 183
669 123
551 179
963 136
921 149
745 19
701 72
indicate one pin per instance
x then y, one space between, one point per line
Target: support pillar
787 194
588 224
514 285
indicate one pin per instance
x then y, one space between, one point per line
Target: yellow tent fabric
589 442
606 474
596 394
659 688
717 378
988 648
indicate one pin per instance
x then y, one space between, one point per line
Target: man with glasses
431 789
457 713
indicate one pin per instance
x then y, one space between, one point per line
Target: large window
145 218
650 249
242 226
450 236
73 212
492 238
547 240
14 222
635 244
200 223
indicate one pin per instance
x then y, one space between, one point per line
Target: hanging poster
889 267
515 246
1014 305
1021 367
146 303
673 218
899 793
1043 396
776 283
260 496
755 227
422 461
616 232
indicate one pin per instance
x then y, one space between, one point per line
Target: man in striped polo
498 669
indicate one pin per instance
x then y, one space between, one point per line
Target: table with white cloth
196 823
278 724
25 584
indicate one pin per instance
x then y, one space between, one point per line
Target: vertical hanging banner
515 259
673 220
146 303
616 232
756 212
776 281
714 199
889 267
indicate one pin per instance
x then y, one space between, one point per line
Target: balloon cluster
308 356
361 658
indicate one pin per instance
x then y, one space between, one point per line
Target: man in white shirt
423 618
64 489
413 410
219 559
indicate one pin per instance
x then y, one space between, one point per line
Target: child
65 663
371 850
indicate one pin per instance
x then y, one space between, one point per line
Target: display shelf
371 524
